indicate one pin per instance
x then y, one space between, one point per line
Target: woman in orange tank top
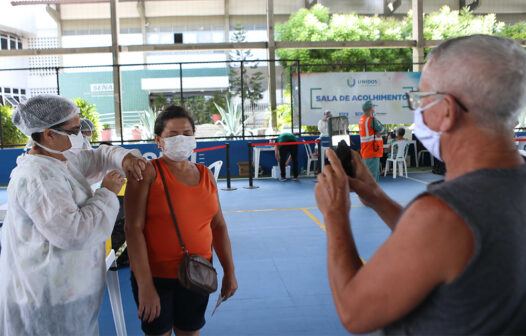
153 245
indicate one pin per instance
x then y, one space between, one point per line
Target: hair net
86 125
43 111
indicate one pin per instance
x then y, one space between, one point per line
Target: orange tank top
194 208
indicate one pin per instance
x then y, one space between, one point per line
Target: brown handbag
195 272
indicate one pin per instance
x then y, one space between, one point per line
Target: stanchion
319 157
228 187
250 170
319 165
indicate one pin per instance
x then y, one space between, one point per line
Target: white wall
32 20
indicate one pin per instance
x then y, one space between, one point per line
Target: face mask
76 142
179 147
87 144
429 138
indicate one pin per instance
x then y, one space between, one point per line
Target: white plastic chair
114 292
423 151
311 158
216 168
399 160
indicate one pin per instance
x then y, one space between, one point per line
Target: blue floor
280 257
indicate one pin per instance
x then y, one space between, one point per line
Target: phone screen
338 130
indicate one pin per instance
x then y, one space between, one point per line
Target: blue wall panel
238 153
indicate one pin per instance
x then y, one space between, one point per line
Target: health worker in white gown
52 263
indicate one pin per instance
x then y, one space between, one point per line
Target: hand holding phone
340 142
343 151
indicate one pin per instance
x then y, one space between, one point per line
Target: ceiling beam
223 46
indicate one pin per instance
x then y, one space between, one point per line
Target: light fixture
390 6
470 4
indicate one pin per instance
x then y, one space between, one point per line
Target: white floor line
417 180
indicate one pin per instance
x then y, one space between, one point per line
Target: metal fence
227 99
238 89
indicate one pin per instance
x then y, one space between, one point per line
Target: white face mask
179 147
76 142
429 138
87 144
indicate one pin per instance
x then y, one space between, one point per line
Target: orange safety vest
371 145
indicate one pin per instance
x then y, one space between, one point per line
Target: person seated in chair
400 132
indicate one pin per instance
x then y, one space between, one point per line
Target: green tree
252 82
159 103
197 107
89 111
10 134
316 24
516 31
219 100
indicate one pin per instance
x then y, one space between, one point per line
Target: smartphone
341 142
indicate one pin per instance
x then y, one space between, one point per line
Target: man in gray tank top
455 262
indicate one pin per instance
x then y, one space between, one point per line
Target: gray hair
485 73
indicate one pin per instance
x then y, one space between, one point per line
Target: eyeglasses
415 98
70 132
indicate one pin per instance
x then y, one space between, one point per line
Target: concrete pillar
142 16
114 4
271 56
418 34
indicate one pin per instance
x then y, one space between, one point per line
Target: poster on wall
343 93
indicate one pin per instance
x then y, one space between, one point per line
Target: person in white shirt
323 126
52 265
87 128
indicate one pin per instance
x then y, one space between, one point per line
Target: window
10 42
13 96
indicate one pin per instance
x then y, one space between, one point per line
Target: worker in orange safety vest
371 142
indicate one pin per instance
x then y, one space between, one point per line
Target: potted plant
136 133
106 132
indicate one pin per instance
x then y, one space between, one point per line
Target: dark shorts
180 307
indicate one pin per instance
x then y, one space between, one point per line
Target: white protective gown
52 263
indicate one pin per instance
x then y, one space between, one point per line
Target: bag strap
170 205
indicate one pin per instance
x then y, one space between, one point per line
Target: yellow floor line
283 209
320 224
264 210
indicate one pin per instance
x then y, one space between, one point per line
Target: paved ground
279 248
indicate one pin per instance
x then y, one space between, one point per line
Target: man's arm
378 127
404 270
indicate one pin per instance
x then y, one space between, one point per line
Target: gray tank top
489 296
